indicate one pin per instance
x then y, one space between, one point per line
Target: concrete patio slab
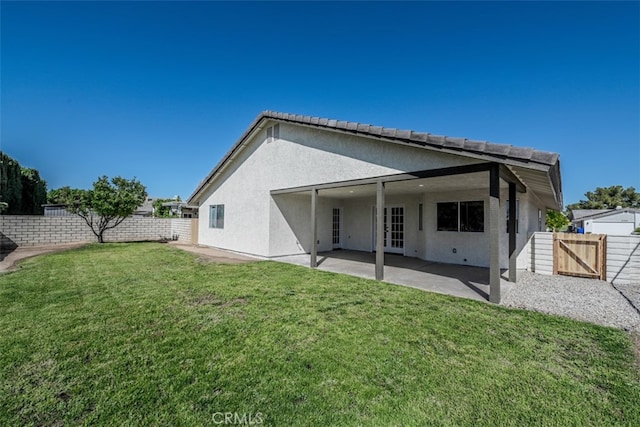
450 279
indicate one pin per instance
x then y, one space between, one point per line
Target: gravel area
631 292
582 299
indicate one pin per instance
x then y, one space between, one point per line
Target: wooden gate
581 255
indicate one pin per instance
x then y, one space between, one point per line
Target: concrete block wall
181 229
137 229
26 230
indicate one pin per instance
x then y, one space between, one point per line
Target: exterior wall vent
273 133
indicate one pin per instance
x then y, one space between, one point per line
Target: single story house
619 221
296 184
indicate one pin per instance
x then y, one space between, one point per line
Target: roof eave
543 161
237 146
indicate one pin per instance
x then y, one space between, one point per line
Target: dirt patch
213 255
211 299
206 299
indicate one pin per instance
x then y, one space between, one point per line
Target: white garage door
614 228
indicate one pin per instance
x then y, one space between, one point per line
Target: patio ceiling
470 177
472 181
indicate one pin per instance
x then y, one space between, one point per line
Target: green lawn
144 334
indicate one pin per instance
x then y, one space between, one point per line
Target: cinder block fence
26 230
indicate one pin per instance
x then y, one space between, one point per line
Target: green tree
609 198
160 211
10 184
106 205
62 195
34 192
556 221
22 191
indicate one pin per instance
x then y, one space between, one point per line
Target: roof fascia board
460 152
405 176
556 195
251 131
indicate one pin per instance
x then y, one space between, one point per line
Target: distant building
146 209
182 209
620 221
56 209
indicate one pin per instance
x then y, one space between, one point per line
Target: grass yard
145 334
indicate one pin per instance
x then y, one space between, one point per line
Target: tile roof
502 151
577 214
524 157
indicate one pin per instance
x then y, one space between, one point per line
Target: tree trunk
100 237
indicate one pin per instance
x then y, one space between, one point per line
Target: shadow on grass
6 246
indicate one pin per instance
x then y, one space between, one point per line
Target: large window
472 216
216 216
448 216
461 216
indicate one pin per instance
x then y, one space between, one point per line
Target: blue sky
161 90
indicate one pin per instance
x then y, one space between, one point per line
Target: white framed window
273 132
216 216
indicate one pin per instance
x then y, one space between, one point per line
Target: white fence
622 264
